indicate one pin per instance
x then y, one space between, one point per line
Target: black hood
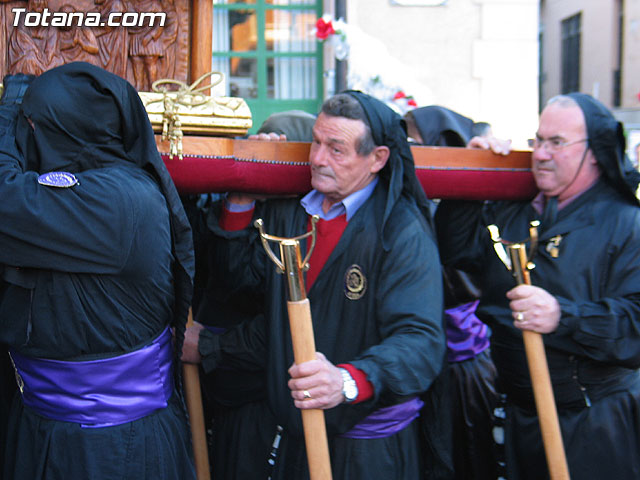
388 128
295 124
440 126
607 142
85 118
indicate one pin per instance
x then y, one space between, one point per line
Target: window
617 73
571 54
268 54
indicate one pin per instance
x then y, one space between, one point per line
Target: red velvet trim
232 221
328 233
200 174
365 387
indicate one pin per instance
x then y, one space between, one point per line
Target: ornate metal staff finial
290 261
520 264
302 338
516 260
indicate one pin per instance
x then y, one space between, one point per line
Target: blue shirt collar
312 202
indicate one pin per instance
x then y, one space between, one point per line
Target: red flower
412 103
399 94
324 29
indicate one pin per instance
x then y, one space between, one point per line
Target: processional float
204 159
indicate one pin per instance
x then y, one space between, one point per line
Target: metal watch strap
349 386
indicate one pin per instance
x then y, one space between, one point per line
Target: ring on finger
519 317
306 394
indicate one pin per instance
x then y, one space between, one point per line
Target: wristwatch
349 386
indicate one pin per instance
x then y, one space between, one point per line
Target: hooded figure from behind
97 272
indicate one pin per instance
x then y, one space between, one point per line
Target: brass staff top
515 261
292 264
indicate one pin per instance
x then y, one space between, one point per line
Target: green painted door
269 54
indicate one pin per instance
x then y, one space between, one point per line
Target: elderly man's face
557 156
337 169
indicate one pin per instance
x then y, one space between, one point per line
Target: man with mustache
584 298
375 290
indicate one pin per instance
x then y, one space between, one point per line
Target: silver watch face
349 386
350 391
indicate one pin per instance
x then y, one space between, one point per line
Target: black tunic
394 332
235 407
594 354
90 273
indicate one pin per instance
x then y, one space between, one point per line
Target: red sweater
328 233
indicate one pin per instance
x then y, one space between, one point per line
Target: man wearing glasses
584 298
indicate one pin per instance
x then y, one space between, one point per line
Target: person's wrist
239 199
349 386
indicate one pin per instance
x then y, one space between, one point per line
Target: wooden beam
201 40
216 164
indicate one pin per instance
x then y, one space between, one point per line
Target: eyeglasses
551 145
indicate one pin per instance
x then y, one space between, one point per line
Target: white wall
478 57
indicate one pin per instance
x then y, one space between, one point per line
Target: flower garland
336 33
406 100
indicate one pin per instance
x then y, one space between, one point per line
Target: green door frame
261 107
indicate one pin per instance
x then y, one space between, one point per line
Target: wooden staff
540 379
193 396
304 348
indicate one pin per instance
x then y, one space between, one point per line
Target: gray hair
562 101
346 106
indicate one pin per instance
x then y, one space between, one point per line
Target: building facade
591 46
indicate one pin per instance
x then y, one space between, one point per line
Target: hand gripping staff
519 265
304 349
193 398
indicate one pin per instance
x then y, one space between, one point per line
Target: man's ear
380 157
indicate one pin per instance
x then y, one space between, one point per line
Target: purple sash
386 421
99 393
467 336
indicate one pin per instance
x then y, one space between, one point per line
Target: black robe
472 380
394 332
234 399
90 273
594 355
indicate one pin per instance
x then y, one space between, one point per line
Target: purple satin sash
467 336
386 421
99 393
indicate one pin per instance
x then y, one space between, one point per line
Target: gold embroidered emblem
355 283
553 247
